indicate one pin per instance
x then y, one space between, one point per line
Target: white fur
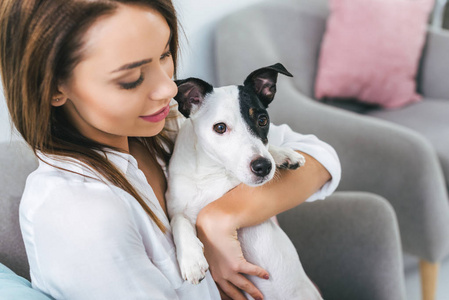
204 166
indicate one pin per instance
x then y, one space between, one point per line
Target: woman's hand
224 255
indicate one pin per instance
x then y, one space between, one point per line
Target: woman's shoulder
53 190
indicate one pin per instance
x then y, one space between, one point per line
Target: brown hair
40 45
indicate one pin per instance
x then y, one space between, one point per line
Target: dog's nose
261 167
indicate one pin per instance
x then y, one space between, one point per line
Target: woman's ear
59 98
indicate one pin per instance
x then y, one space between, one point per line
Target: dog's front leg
189 249
286 158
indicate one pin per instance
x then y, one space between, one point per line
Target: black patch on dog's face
254 113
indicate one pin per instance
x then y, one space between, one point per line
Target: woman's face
123 85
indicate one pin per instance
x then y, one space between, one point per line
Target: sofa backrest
283 31
16 162
290 32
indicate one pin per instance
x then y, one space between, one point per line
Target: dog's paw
286 158
192 263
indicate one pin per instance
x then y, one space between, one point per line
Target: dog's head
232 122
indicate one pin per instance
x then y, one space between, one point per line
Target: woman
89 85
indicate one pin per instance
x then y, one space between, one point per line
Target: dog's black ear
263 82
191 93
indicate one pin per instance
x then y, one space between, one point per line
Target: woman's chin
154 129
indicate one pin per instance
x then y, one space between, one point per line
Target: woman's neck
148 164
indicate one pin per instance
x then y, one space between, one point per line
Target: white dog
221 144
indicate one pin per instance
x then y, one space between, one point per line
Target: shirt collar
121 160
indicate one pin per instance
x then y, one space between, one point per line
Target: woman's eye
132 85
220 128
166 55
263 121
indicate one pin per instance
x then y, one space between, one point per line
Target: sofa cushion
13 286
429 118
12 248
371 50
16 162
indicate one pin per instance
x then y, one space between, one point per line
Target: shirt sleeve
284 136
88 246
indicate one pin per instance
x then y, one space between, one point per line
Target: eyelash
133 85
166 54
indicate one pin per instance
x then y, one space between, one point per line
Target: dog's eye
220 128
263 121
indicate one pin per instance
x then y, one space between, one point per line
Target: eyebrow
133 65
141 62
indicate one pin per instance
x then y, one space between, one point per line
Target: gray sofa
407 162
349 243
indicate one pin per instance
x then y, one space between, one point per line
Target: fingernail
258 298
266 276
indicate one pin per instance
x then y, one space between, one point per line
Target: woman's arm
318 178
248 206
244 206
85 243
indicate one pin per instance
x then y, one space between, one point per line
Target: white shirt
86 239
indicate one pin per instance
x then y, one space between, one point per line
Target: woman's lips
157 117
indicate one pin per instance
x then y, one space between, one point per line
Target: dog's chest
213 186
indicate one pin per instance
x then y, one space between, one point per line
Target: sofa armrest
381 158
434 72
349 246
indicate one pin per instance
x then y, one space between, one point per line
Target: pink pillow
371 51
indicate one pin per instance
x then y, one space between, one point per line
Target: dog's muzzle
261 167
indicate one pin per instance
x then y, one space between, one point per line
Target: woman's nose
163 88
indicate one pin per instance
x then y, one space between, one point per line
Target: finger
231 291
223 294
250 269
244 284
